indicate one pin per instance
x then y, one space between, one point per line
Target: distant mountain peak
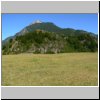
37 21
31 38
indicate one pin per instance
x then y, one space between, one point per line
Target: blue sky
13 23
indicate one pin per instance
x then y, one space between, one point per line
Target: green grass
66 69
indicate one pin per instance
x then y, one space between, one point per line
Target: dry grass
68 69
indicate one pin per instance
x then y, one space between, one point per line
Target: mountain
42 26
47 26
6 40
46 37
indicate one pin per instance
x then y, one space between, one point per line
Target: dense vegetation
41 41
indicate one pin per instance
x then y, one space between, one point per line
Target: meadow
64 69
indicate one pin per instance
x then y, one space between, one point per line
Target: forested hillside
41 41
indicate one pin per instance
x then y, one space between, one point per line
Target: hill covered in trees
49 38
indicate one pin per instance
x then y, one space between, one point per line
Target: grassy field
67 69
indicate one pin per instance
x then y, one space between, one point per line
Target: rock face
41 37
